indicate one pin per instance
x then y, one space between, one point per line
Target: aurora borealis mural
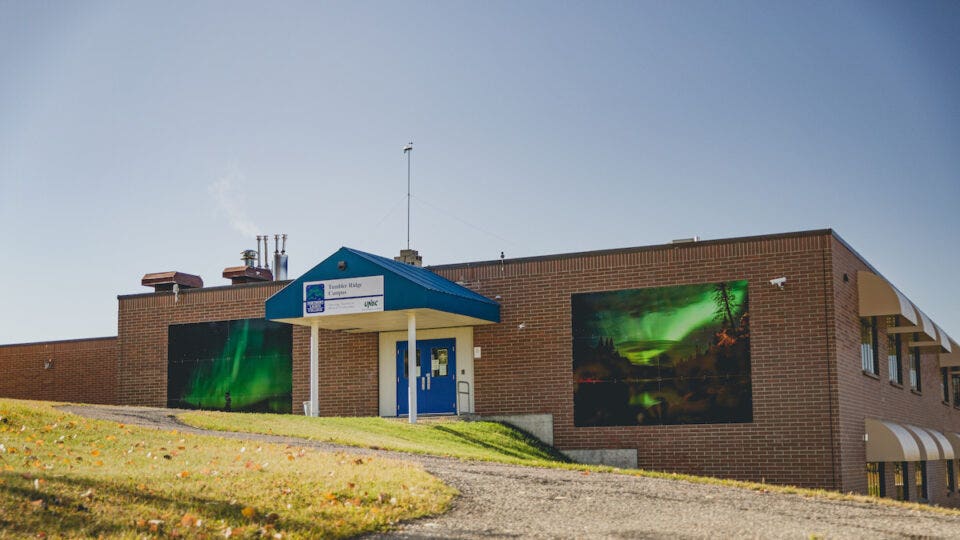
666 355
249 358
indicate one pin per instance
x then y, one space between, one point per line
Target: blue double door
436 377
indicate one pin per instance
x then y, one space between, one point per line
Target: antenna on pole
408 149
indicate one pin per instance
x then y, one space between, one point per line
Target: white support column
314 369
413 372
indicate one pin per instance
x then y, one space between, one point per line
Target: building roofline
56 342
654 247
202 289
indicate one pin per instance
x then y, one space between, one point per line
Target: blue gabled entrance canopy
354 291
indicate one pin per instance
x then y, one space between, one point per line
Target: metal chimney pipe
258 251
284 248
266 251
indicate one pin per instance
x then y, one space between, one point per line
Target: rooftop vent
247 274
410 256
256 262
685 240
165 281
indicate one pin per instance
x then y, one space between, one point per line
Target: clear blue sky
139 137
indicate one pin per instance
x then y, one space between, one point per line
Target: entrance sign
343 296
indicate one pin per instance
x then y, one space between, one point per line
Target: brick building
692 357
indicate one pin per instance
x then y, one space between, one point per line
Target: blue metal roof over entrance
438 302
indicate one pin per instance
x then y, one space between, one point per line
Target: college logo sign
343 296
313 298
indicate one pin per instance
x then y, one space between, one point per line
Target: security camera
778 282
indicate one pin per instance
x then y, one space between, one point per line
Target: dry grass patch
62 475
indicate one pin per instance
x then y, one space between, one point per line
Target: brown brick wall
347 363
862 395
82 371
790 440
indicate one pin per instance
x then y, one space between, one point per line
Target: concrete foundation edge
613 457
538 425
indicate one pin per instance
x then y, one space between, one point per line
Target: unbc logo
314 292
371 303
314 299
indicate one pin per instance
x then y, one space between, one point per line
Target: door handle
429 378
423 383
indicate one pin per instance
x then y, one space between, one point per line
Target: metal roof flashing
404 288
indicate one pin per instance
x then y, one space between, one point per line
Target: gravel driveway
512 501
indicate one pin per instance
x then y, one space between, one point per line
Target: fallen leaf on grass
88 494
183 474
249 512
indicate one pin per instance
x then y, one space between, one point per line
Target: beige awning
928 447
954 439
952 358
946 449
878 298
887 441
926 330
944 340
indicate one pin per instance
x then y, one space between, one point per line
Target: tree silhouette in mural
704 377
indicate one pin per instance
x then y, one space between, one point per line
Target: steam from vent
230 202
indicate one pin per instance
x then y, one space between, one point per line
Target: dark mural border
240 365
662 355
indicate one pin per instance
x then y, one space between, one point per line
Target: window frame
916 381
869 355
901 486
955 383
920 475
951 476
945 384
895 346
875 471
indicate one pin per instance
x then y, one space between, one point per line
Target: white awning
877 297
928 447
946 449
944 340
887 441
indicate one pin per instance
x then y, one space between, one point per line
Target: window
899 480
945 384
406 364
915 367
868 345
921 476
894 353
438 361
955 378
951 479
875 480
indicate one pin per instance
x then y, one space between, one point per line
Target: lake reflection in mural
666 355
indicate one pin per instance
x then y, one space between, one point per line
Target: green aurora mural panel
667 355
250 358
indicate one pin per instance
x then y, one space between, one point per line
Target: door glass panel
438 359
406 363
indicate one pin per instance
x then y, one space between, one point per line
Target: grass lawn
487 441
65 476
